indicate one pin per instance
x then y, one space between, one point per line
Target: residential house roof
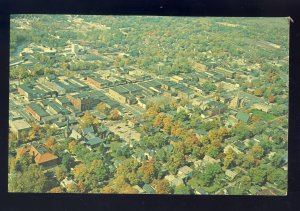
174 181
208 159
148 189
66 182
184 171
230 174
88 130
198 163
94 141
42 155
139 189
74 134
22 150
242 116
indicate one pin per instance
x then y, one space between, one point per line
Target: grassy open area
263 115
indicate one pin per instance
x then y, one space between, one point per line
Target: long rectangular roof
38 109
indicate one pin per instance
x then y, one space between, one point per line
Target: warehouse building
36 111
19 126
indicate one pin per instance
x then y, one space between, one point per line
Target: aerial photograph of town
148 105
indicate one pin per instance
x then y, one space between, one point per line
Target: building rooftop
148 189
20 124
242 116
38 109
94 141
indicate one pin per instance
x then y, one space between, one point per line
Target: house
184 172
261 106
22 150
149 154
200 132
19 126
207 159
14 115
98 82
200 191
40 154
254 190
142 103
174 181
36 111
176 78
65 183
75 135
94 142
227 73
198 164
139 156
229 146
43 157
87 130
181 108
230 174
132 122
139 189
148 189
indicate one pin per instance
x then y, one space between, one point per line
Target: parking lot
125 132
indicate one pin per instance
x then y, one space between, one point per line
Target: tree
127 166
51 142
213 151
98 169
60 173
158 120
80 172
12 164
67 162
258 176
147 171
108 189
182 116
278 177
32 180
248 161
102 108
208 87
87 120
258 92
23 162
71 146
245 183
190 143
133 178
271 99
182 189
162 186
56 190
257 151
209 174
176 161
167 122
72 188
152 111
114 114
241 131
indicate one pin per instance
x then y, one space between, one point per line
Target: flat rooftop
20 124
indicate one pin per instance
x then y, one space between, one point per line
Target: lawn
263 115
